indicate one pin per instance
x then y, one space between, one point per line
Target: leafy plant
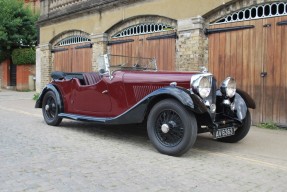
3 56
17 26
24 90
36 96
24 56
268 125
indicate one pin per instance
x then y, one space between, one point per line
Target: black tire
171 128
241 132
50 109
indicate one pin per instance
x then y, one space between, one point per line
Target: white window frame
266 10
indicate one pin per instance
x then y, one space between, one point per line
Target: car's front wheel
240 132
171 128
50 109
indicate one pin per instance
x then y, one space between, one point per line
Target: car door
93 100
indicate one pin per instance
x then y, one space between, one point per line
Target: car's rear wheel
171 128
240 132
50 109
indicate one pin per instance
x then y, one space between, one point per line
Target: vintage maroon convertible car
175 106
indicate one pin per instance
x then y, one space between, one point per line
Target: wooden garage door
73 58
256 55
160 46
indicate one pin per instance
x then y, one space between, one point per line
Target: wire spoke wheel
50 109
171 128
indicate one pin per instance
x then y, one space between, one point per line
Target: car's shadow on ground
137 135
113 130
130 133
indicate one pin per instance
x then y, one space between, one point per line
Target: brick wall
99 48
22 76
46 65
191 45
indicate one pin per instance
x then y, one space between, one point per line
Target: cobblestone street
78 156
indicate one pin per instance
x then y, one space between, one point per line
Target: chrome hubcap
165 128
169 128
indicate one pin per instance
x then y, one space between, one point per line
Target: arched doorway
251 45
72 52
148 37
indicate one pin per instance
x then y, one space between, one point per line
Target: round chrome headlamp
228 87
201 86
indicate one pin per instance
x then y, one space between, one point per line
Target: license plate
224 132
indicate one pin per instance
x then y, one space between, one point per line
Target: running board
85 118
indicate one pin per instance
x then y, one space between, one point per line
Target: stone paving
77 156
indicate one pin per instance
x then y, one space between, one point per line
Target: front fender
47 88
242 102
247 98
190 101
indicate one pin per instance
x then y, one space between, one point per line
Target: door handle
105 92
263 74
267 25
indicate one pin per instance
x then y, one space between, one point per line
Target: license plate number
224 132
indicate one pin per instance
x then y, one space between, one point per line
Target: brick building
241 38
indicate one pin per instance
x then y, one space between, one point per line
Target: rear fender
47 88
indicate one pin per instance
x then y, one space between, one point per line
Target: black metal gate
13 74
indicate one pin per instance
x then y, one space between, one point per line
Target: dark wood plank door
73 58
256 57
62 59
275 66
160 46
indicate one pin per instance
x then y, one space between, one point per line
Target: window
73 40
142 29
256 12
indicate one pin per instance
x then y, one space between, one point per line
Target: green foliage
3 56
24 90
17 26
36 96
24 56
269 125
